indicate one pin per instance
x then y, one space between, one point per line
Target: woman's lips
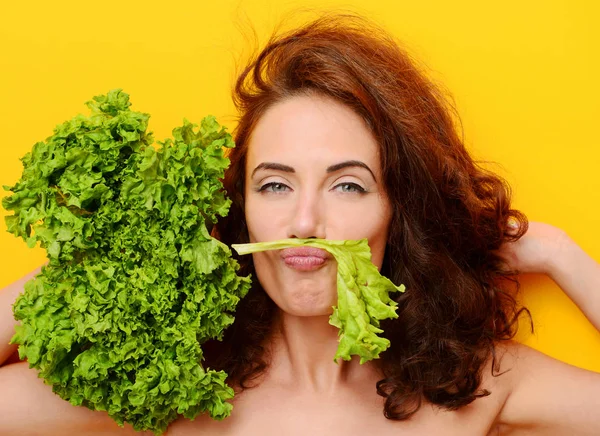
304 258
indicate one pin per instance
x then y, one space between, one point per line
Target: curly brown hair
449 214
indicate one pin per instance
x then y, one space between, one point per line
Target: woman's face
312 171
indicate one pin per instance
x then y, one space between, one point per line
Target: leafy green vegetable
363 294
135 283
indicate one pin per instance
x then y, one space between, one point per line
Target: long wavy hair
449 215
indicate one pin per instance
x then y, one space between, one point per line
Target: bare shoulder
546 395
29 407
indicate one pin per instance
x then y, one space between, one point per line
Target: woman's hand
537 250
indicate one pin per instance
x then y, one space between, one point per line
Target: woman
341 137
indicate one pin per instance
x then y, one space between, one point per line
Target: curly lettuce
135 284
363 294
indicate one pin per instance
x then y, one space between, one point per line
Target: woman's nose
308 220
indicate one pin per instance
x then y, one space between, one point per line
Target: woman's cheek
266 220
370 222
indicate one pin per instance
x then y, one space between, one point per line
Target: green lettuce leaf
135 283
363 294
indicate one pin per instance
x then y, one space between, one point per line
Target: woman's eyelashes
350 187
345 187
274 187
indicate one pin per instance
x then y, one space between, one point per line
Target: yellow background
524 76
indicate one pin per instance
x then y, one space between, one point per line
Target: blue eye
351 187
273 187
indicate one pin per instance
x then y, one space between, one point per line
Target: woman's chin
309 311
309 307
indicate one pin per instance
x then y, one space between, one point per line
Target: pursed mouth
304 258
304 263
305 252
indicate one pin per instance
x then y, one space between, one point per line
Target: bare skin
539 396
298 396
304 391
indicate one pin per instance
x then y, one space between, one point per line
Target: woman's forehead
314 130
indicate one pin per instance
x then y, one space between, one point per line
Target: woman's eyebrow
330 169
273 166
350 163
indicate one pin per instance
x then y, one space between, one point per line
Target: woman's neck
302 351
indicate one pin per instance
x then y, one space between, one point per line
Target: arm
29 407
547 396
545 249
578 275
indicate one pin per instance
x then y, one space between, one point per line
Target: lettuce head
134 282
